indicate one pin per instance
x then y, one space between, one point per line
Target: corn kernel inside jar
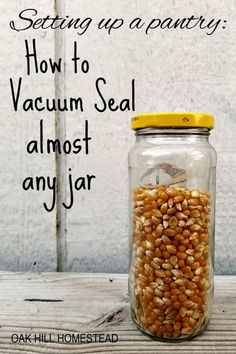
171 261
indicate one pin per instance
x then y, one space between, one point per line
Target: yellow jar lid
173 119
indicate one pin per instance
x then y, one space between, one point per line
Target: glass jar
172 190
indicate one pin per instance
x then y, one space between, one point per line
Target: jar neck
193 133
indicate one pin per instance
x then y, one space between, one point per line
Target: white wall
27 233
174 70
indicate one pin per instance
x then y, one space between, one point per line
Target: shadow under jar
172 197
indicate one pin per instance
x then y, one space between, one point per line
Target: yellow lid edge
173 119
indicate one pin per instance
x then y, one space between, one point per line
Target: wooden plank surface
69 304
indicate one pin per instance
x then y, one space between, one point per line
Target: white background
174 70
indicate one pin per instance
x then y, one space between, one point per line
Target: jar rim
173 120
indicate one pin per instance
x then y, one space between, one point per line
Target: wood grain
70 303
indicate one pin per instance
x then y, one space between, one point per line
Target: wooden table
53 308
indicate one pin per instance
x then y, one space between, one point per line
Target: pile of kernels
171 259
